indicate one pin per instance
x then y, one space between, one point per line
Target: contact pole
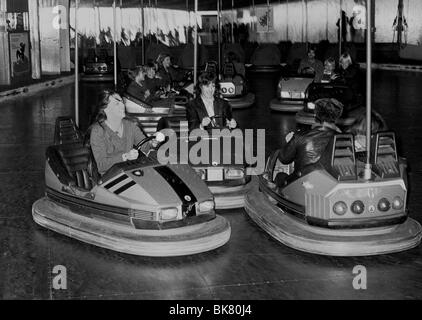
219 34
232 21
195 48
115 43
340 40
76 64
368 169
143 32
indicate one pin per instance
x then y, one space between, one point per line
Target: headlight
357 207
311 105
398 203
233 173
340 208
206 206
384 205
224 90
168 214
231 90
285 94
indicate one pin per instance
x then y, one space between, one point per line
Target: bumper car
137 207
291 92
350 100
329 209
227 179
234 89
170 110
98 68
265 59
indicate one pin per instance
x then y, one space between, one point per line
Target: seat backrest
76 158
229 70
384 155
339 158
66 131
74 153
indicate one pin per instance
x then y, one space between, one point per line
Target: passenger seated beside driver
112 137
208 110
349 72
306 148
138 88
310 65
329 73
358 128
152 83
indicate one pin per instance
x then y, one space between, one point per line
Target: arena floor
251 266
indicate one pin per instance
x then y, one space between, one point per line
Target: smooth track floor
251 266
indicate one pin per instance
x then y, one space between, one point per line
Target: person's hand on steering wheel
205 122
231 124
131 155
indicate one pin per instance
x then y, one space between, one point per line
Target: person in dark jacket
306 148
208 110
166 72
349 72
137 88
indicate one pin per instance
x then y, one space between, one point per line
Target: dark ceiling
179 4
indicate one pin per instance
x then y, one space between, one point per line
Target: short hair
149 65
328 110
359 125
330 60
204 79
346 57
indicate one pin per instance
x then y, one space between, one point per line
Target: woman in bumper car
306 148
166 72
138 87
208 110
311 64
112 137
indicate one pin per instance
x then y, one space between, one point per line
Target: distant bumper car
234 89
340 92
171 109
291 93
265 59
138 207
329 209
98 68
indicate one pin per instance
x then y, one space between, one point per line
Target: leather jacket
306 148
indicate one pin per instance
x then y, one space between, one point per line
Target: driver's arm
287 153
138 136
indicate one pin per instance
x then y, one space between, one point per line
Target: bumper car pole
143 31
368 170
76 64
115 44
219 34
195 48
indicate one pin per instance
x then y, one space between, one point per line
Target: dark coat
196 111
137 91
306 148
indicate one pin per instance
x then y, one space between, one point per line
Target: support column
4 47
34 35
